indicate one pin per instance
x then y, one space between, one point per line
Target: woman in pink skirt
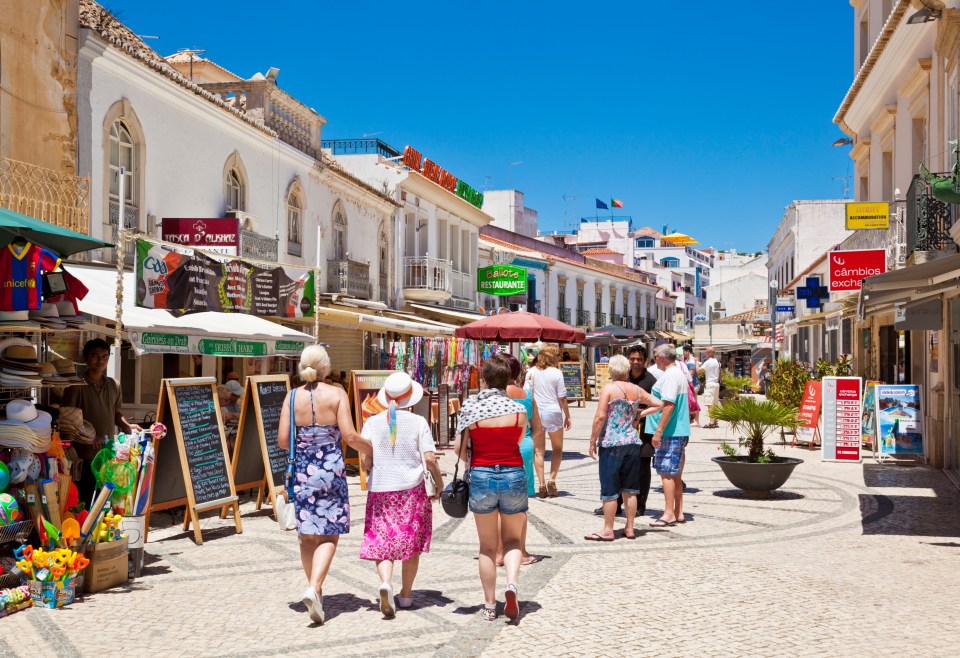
399 518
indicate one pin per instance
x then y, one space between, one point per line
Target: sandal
597 537
487 613
530 559
660 523
552 489
542 493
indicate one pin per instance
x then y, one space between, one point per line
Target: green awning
61 241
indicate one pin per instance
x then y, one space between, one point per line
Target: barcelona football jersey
21 267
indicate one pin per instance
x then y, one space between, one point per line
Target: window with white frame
236 191
294 224
339 234
645 243
122 155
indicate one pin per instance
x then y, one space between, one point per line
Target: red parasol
520 325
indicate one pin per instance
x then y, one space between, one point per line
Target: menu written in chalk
572 379
202 443
271 395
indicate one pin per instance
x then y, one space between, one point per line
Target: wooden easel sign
192 466
258 460
573 381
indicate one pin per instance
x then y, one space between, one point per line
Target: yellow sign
868 215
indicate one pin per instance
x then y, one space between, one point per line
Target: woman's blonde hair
548 357
314 363
618 368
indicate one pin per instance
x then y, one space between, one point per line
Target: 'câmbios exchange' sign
848 269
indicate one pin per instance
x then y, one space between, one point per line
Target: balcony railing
463 287
651 324
637 323
616 319
928 219
347 277
535 306
383 293
583 318
427 273
563 314
56 198
360 146
601 319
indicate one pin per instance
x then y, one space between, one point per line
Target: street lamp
774 289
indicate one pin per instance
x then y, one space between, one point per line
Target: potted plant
787 383
760 471
733 384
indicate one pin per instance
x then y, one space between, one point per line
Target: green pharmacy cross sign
502 280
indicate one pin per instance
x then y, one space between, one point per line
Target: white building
651 253
806 230
738 283
509 212
238 148
436 226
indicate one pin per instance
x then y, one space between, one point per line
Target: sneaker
386 600
512 606
488 613
314 605
404 601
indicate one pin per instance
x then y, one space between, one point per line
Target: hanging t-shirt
21 268
75 292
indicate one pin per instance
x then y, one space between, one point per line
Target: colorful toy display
9 510
14 600
4 476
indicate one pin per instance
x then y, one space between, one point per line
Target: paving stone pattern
847 559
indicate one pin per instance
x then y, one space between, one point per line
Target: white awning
336 317
459 315
156 331
911 283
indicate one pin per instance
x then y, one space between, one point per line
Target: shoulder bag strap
293 444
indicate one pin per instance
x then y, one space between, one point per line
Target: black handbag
455 495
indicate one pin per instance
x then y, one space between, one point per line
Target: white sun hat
400 388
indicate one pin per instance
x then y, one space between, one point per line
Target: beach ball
9 510
4 476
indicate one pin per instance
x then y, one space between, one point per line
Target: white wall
509 211
806 231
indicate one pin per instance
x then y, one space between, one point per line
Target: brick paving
845 560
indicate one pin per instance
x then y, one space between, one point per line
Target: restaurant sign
219 235
413 159
161 342
502 280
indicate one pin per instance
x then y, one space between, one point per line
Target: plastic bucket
134 527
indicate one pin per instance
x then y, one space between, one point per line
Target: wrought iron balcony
651 324
563 314
583 318
347 277
535 306
928 218
601 319
637 323
616 319
360 146
426 278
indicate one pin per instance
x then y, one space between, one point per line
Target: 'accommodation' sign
414 159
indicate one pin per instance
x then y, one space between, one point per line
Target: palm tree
755 420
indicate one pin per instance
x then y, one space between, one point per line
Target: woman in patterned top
615 434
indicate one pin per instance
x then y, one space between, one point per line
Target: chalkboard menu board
191 463
443 414
572 379
257 455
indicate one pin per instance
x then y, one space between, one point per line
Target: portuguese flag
616 203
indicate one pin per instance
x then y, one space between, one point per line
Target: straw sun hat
400 388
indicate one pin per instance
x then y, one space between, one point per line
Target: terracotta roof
604 251
738 317
118 35
647 232
512 247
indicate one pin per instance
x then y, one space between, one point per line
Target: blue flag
602 206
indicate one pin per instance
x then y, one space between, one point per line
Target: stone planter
757 480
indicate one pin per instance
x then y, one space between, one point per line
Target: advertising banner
809 414
184 281
220 235
899 419
848 269
842 413
868 425
868 215
502 280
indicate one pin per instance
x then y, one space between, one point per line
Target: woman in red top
493 425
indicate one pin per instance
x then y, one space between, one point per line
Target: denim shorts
666 461
495 488
619 471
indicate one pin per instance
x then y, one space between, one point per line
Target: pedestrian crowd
643 420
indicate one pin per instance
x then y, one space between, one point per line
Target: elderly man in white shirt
711 387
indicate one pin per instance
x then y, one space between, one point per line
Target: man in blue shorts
671 431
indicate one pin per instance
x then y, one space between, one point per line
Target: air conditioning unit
247 221
719 306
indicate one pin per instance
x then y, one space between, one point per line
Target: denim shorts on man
666 461
495 488
619 471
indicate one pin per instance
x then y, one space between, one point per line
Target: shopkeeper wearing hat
99 399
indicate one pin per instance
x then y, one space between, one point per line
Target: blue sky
709 117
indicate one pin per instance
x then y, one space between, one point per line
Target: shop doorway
894 356
952 440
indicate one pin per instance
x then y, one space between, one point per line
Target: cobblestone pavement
846 559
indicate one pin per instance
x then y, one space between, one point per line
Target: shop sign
899 419
294 346
413 159
809 414
842 417
868 215
848 269
220 235
926 315
761 317
502 280
157 342
699 318
231 347
813 292
169 342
